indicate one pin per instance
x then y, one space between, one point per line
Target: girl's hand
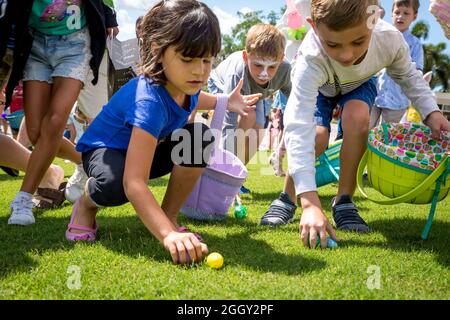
184 247
313 223
437 123
242 104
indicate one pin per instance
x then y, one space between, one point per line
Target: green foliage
236 41
421 30
436 59
109 3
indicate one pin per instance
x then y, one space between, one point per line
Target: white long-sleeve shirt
315 72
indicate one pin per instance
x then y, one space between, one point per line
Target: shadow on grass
159 182
5 177
128 236
403 234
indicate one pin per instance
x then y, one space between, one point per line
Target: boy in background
264 70
391 104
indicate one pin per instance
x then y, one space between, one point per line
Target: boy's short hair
265 40
339 15
414 4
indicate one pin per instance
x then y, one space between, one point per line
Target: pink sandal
87 236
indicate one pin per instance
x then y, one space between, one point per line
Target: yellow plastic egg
215 260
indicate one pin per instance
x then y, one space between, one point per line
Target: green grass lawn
126 262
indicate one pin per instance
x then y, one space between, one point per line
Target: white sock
23 195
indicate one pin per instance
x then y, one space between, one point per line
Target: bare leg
86 213
355 124
246 125
64 93
375 114
67 151
22 137
17 158
37 101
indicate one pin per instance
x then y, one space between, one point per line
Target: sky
226 11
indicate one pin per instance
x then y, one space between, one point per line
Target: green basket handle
330 166
385 128
425 184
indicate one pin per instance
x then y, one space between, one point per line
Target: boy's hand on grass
242 104
437 123
314 223
184 247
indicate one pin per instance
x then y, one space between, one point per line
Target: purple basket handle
219 114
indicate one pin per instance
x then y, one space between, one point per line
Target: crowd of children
118 145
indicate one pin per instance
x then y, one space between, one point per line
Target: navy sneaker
280 212
10 171
346 216
244 190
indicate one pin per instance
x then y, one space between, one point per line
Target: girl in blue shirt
134 138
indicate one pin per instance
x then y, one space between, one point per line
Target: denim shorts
64 56
367 92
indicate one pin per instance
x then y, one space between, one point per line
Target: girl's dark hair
189 25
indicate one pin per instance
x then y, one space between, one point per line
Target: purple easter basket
219 184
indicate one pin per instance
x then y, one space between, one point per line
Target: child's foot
53 177
50 193
82 226
244 190
280 212
275 161
75 184
346 216
85 213
21 209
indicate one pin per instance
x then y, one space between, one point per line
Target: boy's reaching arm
300 127
300 134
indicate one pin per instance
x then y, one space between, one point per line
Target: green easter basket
327 165
406 165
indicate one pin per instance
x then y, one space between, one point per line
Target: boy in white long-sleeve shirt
335 65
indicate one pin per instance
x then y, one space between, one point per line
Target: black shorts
106 166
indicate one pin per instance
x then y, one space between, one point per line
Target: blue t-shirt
280 101
138 103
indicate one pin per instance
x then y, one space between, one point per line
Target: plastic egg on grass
215 260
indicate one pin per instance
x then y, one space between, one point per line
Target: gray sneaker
280 212
346 216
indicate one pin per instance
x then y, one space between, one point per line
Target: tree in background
236 41
436 59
